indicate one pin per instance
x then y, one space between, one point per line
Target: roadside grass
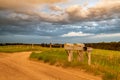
20 48
53 56
104 62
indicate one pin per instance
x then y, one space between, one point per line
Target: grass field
20 48
104 62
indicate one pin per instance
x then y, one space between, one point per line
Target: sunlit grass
20 48
104 62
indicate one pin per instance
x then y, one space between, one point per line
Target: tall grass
52 56
20 48
104 62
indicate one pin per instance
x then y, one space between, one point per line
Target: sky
59 21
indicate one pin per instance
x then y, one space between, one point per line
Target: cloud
57 21
75 34
103 35
101 11
55 8
76 13
53 18
106 9
13 4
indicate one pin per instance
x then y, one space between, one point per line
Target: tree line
102 45
107 46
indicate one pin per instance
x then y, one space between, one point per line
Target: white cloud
55 8
73 34
76 13
107 35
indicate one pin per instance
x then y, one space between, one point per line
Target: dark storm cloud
19 27
71 21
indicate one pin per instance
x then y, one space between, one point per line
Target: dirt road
17 66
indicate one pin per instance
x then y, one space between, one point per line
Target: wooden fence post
32 46
89 58
89 50
80 55
79 48
50 45
60 45
70 55
69 49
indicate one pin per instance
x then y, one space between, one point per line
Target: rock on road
17 66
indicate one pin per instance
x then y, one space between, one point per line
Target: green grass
104 62
51 56
20 48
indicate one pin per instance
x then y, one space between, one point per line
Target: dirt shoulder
17 66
